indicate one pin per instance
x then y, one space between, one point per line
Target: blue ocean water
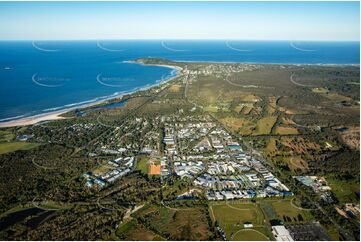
43 76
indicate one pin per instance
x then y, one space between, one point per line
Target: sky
331 21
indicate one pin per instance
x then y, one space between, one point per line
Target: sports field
248 235
285 210
231 217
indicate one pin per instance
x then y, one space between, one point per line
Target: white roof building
281 233
248 225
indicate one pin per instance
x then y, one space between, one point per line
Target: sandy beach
143 64
56 115
33 119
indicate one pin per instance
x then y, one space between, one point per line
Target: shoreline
167 66
56 115
263 63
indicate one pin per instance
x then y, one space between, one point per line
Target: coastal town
180 120
234 164
200 151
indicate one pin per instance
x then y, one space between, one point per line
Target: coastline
268 63
33 119
167 66
56 115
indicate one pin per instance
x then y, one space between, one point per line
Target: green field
232 216
344 190
249 235
132 230
14 146
142 164
176 224
212 109
268 210
178 188
283 209
52 205
6 136
264 125
286 130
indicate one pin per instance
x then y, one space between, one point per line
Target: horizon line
175 39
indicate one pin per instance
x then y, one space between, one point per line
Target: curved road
298 84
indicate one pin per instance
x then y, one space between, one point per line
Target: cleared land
272 105
271 147
176 224
345 190
14 146
300 145
6 136
264 125
132 230
351 137
211 108
235 124
286 130
142 164
175 88
296 163
154 169
102 169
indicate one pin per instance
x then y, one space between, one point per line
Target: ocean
43 76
